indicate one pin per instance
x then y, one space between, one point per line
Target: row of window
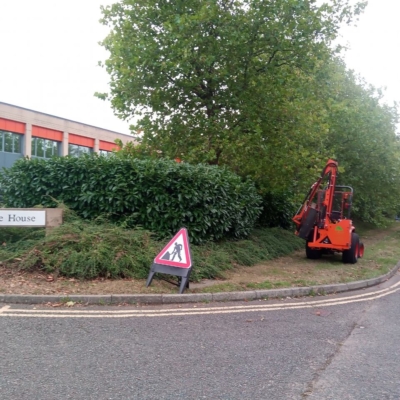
10 142
42 148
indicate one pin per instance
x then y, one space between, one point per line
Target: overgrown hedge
159 195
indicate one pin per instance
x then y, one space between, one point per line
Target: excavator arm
311 211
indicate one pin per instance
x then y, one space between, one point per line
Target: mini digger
323 219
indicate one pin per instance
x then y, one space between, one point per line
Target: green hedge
278 210
159 195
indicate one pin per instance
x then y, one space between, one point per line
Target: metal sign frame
169 267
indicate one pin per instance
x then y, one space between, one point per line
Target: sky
375 46
49 55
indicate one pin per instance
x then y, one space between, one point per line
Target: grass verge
98 249
381 255
100 258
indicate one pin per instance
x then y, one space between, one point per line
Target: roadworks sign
176 253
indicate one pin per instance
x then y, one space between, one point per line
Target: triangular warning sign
176 253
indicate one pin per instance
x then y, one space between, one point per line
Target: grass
100 258
99 249
268 285
381 255
222 287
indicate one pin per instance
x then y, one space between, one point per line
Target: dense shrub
159 195
278 210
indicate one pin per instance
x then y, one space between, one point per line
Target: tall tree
217 80
362 135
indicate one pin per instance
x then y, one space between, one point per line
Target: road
332 347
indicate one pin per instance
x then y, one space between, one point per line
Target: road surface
328 347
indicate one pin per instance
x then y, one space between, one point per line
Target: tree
217 80
255 85
362 135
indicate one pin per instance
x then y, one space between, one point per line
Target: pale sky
375 46
49 54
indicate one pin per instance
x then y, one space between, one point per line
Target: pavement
110 299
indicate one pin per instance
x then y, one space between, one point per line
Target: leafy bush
158 195
277 210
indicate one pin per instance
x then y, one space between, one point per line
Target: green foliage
362 137
211 259
159 195
90 249
136 150
277 210
271 100
85 250
12 235
267 244
206 91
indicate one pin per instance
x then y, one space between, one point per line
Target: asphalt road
342 351
367 365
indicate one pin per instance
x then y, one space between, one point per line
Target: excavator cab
341 204
323 220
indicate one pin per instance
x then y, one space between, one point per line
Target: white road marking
181 310
7 311
5 308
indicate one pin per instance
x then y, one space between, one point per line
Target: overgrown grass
84 250
13 235
90 249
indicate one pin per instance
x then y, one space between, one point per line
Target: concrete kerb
234 296
199 297
136 299
27 299
187 298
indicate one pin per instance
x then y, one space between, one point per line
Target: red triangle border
188 264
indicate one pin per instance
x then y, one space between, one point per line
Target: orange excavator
323 219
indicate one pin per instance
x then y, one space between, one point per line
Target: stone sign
31 217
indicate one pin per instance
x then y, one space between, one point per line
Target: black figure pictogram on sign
174 259
176 252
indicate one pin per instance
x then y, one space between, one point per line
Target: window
104 152
44 148
10 142
75 151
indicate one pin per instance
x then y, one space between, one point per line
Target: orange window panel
46 133
108 146
80 140
12 126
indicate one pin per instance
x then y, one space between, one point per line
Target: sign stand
183 280
174 259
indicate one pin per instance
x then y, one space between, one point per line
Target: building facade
31 133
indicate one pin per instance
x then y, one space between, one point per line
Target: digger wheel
361 250
313 254
351 255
